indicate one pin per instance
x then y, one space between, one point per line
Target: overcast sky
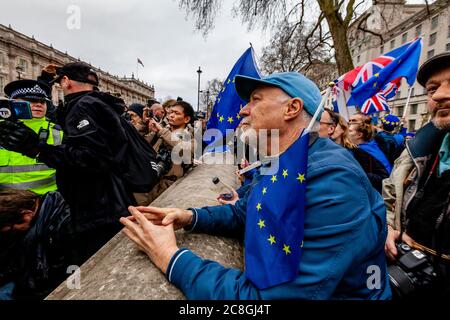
114 33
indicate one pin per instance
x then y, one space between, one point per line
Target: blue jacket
344 236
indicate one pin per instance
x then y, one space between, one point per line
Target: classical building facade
24 57
394 23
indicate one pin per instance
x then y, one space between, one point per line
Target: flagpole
320 107
137 70
405 112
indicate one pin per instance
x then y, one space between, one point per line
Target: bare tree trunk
338 28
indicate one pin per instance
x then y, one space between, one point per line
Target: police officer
18 171
93 140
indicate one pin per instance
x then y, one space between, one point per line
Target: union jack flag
379 101
379 77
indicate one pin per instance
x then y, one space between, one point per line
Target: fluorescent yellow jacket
21 172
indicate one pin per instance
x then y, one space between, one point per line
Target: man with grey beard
417 196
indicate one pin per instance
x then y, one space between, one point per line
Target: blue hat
294 84
389 122
27 89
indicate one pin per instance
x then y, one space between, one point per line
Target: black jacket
37 261
85 162
373 168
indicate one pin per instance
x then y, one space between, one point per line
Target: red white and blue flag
379 79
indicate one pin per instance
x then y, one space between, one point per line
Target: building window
400 111
381 49
398 94
23 64
448 32
411 125
413 92
2 83
447 47
2 59
358 58
432 39
413 109
434 22
430 54
392 44
404 37
418 30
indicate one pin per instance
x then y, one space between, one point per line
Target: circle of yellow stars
301 178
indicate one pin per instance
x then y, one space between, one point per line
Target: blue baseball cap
294 84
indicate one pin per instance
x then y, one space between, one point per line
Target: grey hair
307 118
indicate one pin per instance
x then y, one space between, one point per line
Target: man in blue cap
344 218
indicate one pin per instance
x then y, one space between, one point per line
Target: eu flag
275 220
225 114
369 79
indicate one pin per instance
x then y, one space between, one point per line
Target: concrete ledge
119 271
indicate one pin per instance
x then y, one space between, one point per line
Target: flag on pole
225 113
140 62
379 77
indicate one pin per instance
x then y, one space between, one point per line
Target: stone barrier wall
119 271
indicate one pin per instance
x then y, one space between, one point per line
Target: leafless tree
323 21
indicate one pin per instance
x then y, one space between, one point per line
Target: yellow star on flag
274 179
261 224
375 84
376 75
228 81
264 190
301 178
271 239
221 119
258 207
230 119
302 244
287 249
218 100
285 173
238 116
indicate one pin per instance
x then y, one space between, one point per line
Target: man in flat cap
343 225
19 171
417 194
85 162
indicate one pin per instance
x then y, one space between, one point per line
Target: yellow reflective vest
21 172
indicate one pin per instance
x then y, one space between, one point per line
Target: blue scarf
372 148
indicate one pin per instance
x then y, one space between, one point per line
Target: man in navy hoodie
344 221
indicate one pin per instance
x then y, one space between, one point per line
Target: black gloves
15 136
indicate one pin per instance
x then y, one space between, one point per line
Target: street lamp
199 71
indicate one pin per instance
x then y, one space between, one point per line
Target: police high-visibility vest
21 172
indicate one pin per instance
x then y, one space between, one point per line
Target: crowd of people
376 206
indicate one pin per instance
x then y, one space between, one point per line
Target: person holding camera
179 135
20 171
87 171
417 197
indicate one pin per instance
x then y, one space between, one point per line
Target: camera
412 273
12 110
163 162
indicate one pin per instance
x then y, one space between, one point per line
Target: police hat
77 71
27 89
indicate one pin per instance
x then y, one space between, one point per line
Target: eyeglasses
328 123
